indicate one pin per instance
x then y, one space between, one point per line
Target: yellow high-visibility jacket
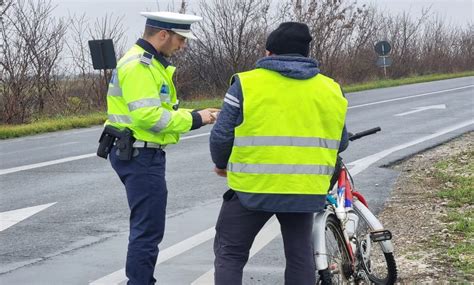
285 146
141 96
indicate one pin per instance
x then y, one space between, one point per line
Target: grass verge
51 125
203 103
404 81
64 123
457 177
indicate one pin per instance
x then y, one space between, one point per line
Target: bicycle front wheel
379 266
339 260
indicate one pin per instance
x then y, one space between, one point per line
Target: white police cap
178 23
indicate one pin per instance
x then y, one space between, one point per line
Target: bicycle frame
347 199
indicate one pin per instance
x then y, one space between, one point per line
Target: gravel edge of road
421 245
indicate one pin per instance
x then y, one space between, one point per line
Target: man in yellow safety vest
276 140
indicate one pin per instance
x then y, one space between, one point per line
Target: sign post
383 48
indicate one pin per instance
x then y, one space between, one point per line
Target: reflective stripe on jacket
298 154
141 96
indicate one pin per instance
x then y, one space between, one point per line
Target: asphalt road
82 237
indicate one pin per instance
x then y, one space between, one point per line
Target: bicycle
350 244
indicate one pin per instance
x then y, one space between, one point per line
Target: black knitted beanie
289 37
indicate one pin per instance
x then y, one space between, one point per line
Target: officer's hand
220 172
215 115
206 117
214 112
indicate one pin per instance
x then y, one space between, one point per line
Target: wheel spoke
337 254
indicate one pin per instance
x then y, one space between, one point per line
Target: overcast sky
457 12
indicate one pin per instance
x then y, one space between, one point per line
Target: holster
123 139
228 195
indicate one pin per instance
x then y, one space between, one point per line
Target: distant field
70 122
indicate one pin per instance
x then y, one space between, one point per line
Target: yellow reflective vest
141 96
290 134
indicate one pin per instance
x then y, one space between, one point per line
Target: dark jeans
236 230
144 180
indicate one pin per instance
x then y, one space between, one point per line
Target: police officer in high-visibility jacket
276 140
142 98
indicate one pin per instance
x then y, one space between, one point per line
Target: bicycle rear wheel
339 261
379 266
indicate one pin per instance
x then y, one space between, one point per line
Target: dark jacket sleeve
344 136
344 140
222 134
197 120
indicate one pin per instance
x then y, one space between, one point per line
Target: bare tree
107 27
4 6
335 25
15 83
87 84
37 77
465 48
43 36
357 62
404 34
30 55
231 39
81 81
184 7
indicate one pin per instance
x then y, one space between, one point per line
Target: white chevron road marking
421 109
10 218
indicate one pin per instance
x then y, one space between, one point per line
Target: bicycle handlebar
364 133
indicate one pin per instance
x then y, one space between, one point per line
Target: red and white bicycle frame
341 201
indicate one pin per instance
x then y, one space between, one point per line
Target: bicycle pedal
382 235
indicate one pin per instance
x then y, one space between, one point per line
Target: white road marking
408 97
363 163
264 237
68 159
94 129
10 218
195 136
421 109
42 164
38 148
118 276
267 234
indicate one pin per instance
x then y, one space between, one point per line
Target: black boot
325 277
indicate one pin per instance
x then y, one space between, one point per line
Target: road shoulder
432 224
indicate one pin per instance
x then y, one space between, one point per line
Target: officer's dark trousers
236 230
144 180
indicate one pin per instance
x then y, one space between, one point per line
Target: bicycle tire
380 267
339 260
